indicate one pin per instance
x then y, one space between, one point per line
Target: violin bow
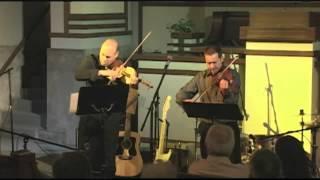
134 51
221 74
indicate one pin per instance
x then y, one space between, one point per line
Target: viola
127 74
226 74
223 73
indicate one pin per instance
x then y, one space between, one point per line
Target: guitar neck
127 125
163 130
163 135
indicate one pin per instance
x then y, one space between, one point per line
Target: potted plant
183 29
183 37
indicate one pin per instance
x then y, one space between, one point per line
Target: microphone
301 112
269 128
169 58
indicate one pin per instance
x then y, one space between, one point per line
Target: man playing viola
98 133
216 84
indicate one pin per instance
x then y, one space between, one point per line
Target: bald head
108 52
220 140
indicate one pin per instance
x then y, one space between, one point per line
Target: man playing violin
98 133
216 84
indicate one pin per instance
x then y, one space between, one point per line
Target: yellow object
129 75
277 88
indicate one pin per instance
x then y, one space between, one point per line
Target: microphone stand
313 129
154 108
10 105
27 137
302 124
268 89
270 100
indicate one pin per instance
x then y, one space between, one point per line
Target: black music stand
212 111
221 112
93 100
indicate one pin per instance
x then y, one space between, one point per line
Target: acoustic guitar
161 154
129 161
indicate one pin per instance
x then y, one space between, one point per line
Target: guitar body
128 159
129 162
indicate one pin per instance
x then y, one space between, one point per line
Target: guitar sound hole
126 143
132 150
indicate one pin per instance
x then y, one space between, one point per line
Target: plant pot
185 35
182 42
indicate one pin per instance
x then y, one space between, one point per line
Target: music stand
213 110
104 99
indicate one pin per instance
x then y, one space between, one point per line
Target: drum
251 143
264 142
245 144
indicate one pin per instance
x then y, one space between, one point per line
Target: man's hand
188 100
133 79
111 74
223 84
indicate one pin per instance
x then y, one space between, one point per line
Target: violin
127 75
226 75
223 73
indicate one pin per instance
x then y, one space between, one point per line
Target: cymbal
262 136
312 114
312 124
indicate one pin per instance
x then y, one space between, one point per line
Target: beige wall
11 23
57 26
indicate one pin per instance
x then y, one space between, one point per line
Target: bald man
107 56
98 133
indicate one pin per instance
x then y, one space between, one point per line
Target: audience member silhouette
294 160
219 143
265 164
72 165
